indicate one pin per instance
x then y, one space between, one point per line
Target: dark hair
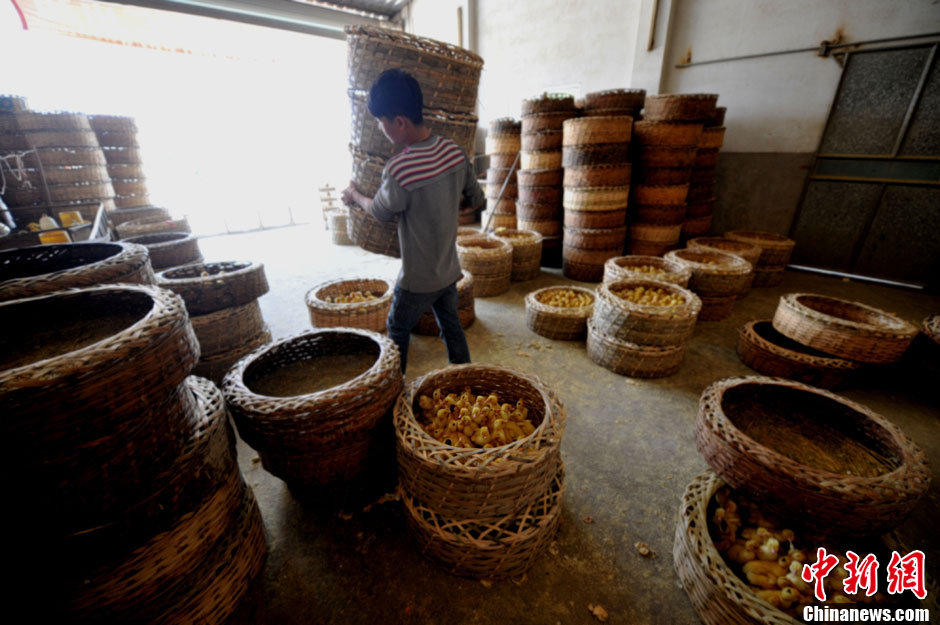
395 92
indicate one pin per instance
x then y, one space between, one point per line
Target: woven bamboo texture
485 255
488 549
775 248
498 220
615 99
496 175
228 328
117 139
547 103
702 175
459 127
505 206
645 324
151 225
215 366
502 161
539 210
449 76
843 328
716 308
496 190
372 235
541 140
467 232
209 287
540 177
123 156
680 107
696 226
585 265
867 487
112 123
61 193
60 175
427 324
169 249
505 125
71 157
706 158
660 234
595 154
129 201
367 315
703 208
596 238
545 227
714 273
635 247
747 251
712 138
659 214
718 117
594 219
42 269
27 121
539 122
767 276
770 353
659 194
526 252
550 196
667 134
665 157
718 595
557 322
632 360
503 143
626 268
597 130
324 436
662 175
366 171
540 159
339 234
479 484
596 198
612 175
123 215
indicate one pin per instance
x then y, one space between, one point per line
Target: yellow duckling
527 427
463 440
481 436
768 551
743 551
783 599
794 579
784 561
749 533
443 413
437 394
477 415
453 425
513 431
763 574
425 402
499 437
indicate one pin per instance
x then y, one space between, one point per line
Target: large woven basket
169 249
151 225
596 198
540 159
596 238
209 287
545 227
215 366
373 235
547 103
488 549
747 251
628 268
680 107
226 329
655 233
770 353
526 252
649 156
842 328
427 324
704 208
585 265
610 175
594 219
498 220
767 276
595 154
632 360
775 248
712 138
540 177
368 315
541 140
325 435
540 196
503 143
659 194
539 211
645 324
667 134
122 215
449 76
627 99
489 260
479 484
662 175
367 171
365 132
557 322
699 226
810 457
30 271
597 129
540 122
659 214
714 273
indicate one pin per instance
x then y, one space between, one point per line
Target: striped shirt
417 165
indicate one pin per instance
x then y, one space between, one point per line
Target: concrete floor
628 449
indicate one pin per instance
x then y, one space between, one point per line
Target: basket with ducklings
208 287
559 312
489 260
351 303
718 278
646 311
642 267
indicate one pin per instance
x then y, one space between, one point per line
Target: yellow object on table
71 218
56 236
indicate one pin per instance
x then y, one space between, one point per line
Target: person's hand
351 194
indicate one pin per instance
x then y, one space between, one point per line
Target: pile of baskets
489 260
370 313
169 249
539 209
117 136
641 340
502 190
466 313
748 251
483 513
222 301
700 203
526 252
596 191
125 466
775 251
718 278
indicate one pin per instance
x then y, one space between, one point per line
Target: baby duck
763 574
782 599
425 402
481 436
768 551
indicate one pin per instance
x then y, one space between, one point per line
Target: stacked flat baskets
125 468
485 513
169 249
539 209
502 147
41 269
718 278
556 321
700 205
526 252
597 188
641 340
489 261
369 314
118 138
775 254
151 225
427 324
639 267
613 102
373 235
317 406
138 213
222 301
747 251
338 221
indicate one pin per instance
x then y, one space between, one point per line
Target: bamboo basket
461 128
595 154
770 353
467 232
626 268
526 252
702 175
449 76
502 161
660 194
596 238
767 276
228 328
843 328
215 366
488 549
540 159
712 138
27 121
775 248
30 271
496 176
540 210
367 315
680 107
615 99
372 235
663 175
659 214
498 220
594 219
62 138
635 247
112 123
169 249
540 177
665 157
61 193
339 227
703 208
716 308
505 206
151 225
747 251
117 139
367 171
697 226
123 215
541 140
365 133
539 122
596 129
495 190
728 275
667 134
630 359
655 233
548 103
612 175
306 435
485 255
61 175
427 324
550 196
706 158
585 265
852 471
505 125
557 322
545 227
642 324
551 251
718 117
209 287
503 143
596 198
122 156
699 191
479 485
70 157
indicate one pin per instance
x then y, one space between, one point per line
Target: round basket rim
476 240
691 307
312 297
749 332
731 263
532 299
708 242
898 328
164 276
761 238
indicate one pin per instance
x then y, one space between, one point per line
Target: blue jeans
407 308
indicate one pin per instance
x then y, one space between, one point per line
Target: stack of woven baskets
718 278
597 189
125 468
169 249
775 251
526 252
665 147
702 188
489 261
615 103
63 161
118 137
151 225
350 303
640 339
748 251
222 301
482 512
502 146
449 77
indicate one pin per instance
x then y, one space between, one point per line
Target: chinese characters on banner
904 573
